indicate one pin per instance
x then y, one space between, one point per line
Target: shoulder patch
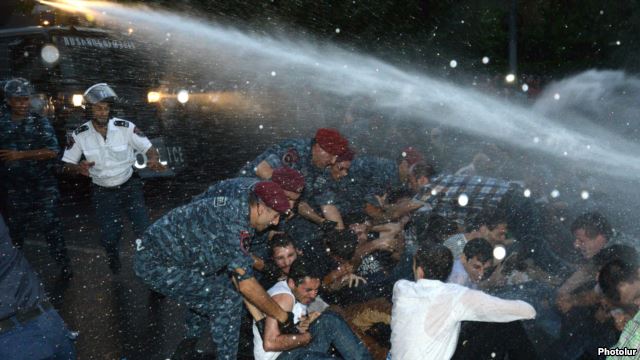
122 123
290 157
81 129
219 201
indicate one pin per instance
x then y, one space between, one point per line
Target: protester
469 269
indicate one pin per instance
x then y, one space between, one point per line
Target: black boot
186 350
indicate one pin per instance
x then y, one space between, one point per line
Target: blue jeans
45 337
109 203
329 329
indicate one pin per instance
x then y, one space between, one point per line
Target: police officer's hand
10 155
156 166
84 166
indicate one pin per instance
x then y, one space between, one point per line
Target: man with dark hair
592 233
489 224
198 255
470 267
283 252
315 333
620 283
427 313
28 154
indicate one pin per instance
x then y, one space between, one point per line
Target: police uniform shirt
207 237
31 133
292 153
113 157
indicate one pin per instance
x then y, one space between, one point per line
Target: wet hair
620 252
281 240
490 218
438 229
341 243
302 268
593 224
614 273
253 199
421 169
436 261
479 248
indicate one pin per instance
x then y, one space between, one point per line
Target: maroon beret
412 155
331 141
288 179
272 195
347 155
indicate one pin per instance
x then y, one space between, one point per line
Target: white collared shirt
113 156
426 316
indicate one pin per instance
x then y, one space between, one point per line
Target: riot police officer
109 145
28 152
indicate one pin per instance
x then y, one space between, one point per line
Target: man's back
426 316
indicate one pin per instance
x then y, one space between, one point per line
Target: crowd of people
329 246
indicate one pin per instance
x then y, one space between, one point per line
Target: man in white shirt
426 315
316 332
109 145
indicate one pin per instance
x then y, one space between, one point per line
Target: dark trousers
109 202
45 337
33 207
329 330
484 340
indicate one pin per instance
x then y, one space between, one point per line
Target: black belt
24 316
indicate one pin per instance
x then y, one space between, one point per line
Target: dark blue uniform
29 327
32 189
190 253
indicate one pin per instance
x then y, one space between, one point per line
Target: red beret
412 155
272 195
331 141
347 155
288 179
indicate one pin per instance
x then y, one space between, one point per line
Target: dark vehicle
63 61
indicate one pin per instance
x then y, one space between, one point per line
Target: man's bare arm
273 339
305 210
332 213
255 294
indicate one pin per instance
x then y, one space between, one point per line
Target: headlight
183 96
153 96
50 54
77 99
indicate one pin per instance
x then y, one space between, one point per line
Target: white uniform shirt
113 157
298 311
426 316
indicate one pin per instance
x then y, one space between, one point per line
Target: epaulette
123 123
81 129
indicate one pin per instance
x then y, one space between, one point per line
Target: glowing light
153 96
50 53
273 73
525 87
499 252
584 195
556 96
45 23
527 193
77 99
130 31
434 192
463 200
485 60
261 127
337 30
555 193
618 43
183 96
453 64
510 78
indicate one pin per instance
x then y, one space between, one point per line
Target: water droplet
485 60
525 87
499 252
453 63
273 73
463 199
527 193
584 195
337 30
556 96
555 193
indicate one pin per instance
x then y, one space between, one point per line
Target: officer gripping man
196 253
28 152
108 145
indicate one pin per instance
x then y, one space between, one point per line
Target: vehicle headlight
153 96
183 96
77 99
50 54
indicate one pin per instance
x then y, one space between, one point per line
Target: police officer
28 152
196 253
109 145
30 328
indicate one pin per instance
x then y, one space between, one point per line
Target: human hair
436 261
253 199
438 228
355 218
303 268
281 240
479 248
423 169
341 243
615 272
490 218
593 224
